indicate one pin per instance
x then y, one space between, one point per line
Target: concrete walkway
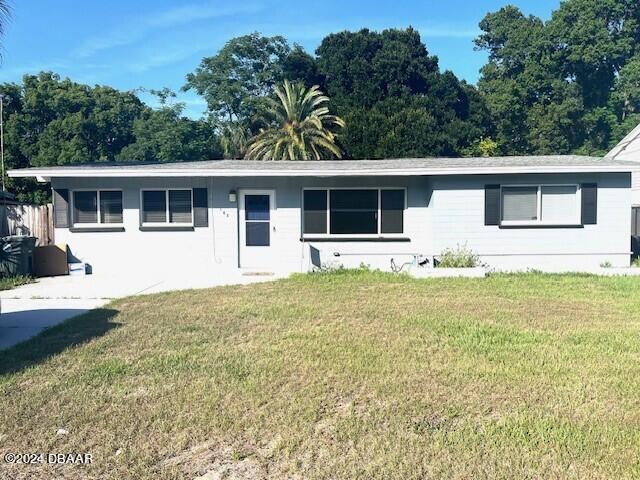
22 319
29 309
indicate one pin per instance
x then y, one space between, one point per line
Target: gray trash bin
16 255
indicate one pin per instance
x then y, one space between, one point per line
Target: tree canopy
394 99
565 85
569 84
53 121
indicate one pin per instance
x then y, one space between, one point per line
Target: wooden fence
32 220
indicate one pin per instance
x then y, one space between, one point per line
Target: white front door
257 230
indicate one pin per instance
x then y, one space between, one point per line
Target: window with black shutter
537 205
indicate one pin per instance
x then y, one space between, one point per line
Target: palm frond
305 128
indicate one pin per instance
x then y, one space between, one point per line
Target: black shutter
589 203
61 208
492 204
200 208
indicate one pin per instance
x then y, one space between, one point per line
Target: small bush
337 268
459 257
636 262
7 283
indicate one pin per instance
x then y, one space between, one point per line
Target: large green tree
377 82
395 100
236 83
565 85
165 135
51 121
54 121
57 122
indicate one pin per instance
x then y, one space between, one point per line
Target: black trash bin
16 255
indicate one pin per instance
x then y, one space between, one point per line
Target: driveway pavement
22 319
29 309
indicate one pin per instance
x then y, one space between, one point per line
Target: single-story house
567 212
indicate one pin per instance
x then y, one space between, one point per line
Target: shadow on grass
71 333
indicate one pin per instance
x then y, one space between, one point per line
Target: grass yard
344 375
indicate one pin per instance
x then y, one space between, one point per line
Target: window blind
85 207
110 207
519 203
180 206
154 206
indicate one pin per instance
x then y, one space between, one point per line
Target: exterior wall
441 212
216 247
135 250
458 218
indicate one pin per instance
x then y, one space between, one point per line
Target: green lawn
344 375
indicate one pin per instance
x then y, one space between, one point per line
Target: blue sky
155 43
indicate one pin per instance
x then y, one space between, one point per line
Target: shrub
459 257
7 283
636 262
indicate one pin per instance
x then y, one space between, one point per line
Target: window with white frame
540 204
97 207
167 206
345 211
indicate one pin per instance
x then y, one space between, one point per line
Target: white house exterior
563 212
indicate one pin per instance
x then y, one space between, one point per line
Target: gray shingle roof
437 165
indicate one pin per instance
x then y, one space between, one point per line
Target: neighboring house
628 150
515 212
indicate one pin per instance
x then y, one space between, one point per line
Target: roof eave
47 174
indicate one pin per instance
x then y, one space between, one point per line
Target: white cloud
135 31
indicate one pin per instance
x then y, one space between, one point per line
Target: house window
519 204
172 206
97 207
392 211
363 212
353 212
559 204
540 204
315 211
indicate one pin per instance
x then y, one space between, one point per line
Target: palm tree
5 15
233 139
304 131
